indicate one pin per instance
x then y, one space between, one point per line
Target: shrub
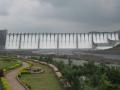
23 81
14 66
1 73
5 84
25 72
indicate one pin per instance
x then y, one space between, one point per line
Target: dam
91 40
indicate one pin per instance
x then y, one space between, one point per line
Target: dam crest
91 40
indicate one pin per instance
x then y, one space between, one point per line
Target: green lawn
8 63
44 81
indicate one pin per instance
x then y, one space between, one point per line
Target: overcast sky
59 15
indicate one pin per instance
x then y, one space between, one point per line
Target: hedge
4 84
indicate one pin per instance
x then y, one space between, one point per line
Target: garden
1 86
41 81
38 76
7 63
89 76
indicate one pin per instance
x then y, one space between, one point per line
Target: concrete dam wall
91 40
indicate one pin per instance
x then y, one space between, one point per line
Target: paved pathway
11 78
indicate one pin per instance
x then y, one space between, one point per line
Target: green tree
103 83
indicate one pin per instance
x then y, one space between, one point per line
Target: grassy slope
7 64
44 81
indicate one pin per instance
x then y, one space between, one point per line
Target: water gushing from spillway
58 40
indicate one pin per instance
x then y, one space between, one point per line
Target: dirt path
11 78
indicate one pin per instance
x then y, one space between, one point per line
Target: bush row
5 85
24 71
12 67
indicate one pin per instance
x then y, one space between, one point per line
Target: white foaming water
63 41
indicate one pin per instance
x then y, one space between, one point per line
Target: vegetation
4 83
1 73
1 85
8 63
88 76
42 81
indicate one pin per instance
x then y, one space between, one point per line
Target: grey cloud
70 15
3 13
57 3
4 7
86 11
